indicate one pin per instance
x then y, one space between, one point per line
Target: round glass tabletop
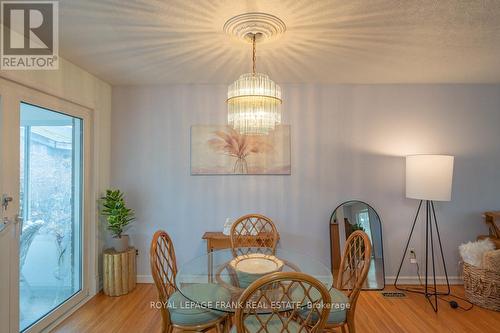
217 279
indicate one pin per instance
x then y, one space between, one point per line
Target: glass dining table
217 279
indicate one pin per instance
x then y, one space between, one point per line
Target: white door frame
12 94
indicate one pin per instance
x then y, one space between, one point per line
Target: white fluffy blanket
472 252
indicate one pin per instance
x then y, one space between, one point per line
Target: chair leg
350 325
164 328
222 326
342 329
227 324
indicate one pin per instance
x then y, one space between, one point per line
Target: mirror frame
381 238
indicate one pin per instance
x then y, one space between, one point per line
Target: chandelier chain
254 54
254 100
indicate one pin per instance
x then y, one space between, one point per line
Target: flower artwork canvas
220 150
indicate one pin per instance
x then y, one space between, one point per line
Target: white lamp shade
429 177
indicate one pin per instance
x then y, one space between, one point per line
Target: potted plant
118 217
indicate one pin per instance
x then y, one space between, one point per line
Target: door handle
6 199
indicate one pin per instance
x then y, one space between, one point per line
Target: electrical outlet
413 256
136 252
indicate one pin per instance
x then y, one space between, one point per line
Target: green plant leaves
116 212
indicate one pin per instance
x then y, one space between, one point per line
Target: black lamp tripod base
430 291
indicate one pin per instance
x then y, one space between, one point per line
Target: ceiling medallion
254 100
265 26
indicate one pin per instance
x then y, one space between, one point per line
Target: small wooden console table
216 241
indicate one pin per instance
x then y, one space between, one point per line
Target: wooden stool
120 271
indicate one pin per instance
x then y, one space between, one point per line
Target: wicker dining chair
253 231
352 274
174 314
273 303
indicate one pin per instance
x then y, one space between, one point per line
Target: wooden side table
120 271
216 240
492 220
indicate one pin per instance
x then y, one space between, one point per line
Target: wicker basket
482 287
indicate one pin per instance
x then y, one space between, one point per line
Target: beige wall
76 85
348 142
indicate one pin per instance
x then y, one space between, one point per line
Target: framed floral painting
220 150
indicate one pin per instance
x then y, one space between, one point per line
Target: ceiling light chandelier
254 100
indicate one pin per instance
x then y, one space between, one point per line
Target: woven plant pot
482 287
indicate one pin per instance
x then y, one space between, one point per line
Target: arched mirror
357 215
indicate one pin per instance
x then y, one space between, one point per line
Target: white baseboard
99 284
455 280
145 279
389 280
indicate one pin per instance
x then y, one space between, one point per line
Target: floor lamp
428 179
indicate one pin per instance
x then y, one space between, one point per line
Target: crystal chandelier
254 102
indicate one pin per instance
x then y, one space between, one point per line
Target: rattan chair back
354 266
253 231
163 269
284 302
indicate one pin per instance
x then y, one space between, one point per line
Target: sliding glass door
50 261
44 188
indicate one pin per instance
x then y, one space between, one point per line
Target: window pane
50 253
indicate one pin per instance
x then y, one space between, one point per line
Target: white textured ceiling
129 42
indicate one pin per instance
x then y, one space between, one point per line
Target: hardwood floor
133 313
